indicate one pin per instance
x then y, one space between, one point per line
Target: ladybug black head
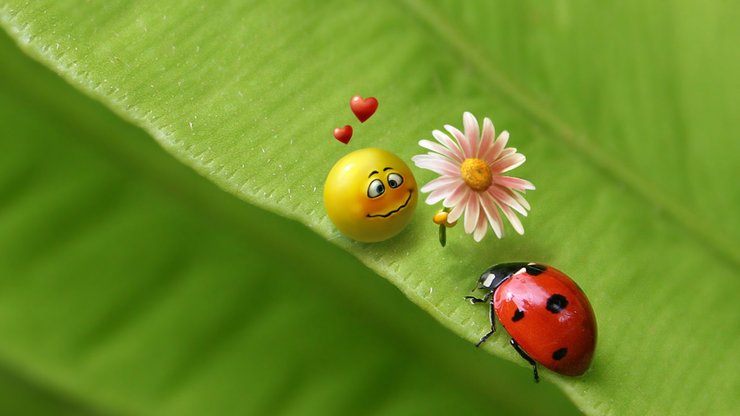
495 275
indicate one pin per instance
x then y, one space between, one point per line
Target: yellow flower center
476 174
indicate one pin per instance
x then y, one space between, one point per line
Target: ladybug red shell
548 316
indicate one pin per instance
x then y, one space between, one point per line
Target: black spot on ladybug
535 269
519 314
559 354
556 303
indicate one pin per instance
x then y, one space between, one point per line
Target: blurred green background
131 285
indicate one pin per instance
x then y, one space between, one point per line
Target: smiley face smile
395 210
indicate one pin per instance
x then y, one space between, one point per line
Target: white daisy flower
472 183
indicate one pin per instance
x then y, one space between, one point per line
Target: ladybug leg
492 318
475 300
528 358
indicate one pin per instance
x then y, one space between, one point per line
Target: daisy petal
471 212
504 198
506 152
440 149
513 219
437 163
520 199
486 141
445 141
441 182
508 163
480 228
472 131
513 183
458 210
489 207
437 195
457 196
467 146
498 146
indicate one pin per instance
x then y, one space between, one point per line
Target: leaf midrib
539 112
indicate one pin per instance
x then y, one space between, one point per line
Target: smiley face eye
395 180
375 189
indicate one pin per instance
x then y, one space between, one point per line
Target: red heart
343 134
363 108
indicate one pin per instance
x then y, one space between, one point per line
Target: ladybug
547 315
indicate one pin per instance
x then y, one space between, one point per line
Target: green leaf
622 110
130 285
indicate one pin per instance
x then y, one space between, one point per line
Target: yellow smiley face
370 195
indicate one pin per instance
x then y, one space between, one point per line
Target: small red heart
363 108
343 134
